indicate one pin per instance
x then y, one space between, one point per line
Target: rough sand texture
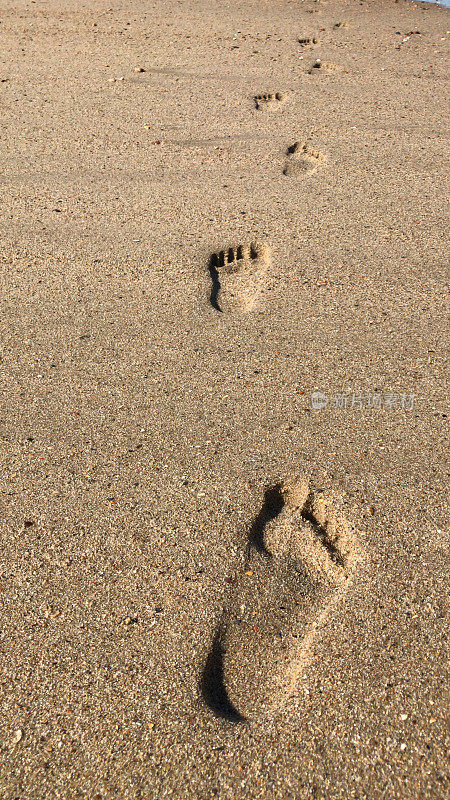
185 540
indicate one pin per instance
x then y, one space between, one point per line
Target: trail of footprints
239 274
301 557
301 554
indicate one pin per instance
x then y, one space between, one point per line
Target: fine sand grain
224 418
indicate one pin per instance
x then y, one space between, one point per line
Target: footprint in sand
306 41
301 558
324 67
238 277
302 158
269 100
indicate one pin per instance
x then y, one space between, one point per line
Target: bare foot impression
324 67
270 100
307 40
238 276
301 558
302 158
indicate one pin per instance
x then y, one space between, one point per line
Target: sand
223 418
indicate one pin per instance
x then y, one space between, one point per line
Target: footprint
270 100
324 67
307 40
301 556
238 277
406 38
302 158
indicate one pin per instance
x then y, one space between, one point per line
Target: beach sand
223 413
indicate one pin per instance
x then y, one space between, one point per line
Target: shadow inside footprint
215 282
321 533
271 507
212 684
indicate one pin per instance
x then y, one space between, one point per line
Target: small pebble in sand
403 717
18 734
139 69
